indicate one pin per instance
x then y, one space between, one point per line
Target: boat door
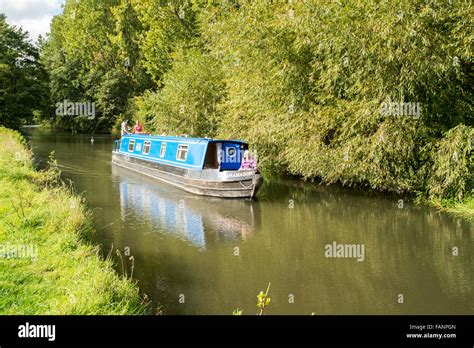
231 156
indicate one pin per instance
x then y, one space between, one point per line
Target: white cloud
33 16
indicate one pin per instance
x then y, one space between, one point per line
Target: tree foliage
187 103
23 81
302 81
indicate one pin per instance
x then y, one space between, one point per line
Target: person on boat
138 128
248 162
124 128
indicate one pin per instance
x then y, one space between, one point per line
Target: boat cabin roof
182 139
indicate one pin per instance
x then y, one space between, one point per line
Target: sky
33 16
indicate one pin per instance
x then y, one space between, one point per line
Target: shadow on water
201 255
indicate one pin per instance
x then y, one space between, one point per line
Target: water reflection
186 244
186 216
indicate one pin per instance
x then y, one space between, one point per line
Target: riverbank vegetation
357 93
46 264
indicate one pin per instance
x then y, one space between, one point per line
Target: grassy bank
463 208
46 265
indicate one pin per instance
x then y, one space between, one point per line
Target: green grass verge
463 208
62 273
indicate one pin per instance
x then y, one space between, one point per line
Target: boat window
163 150
182 152
131 145
146 147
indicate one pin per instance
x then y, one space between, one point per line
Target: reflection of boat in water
199 220
202 166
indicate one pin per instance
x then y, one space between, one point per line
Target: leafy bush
452 169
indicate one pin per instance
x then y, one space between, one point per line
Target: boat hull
207 182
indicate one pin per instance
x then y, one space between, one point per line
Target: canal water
201 255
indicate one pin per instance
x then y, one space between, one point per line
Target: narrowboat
202 166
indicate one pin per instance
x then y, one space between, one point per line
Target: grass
463 208
63 274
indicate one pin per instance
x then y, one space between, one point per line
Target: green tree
304 82
92 55
23 80
187 103
167 26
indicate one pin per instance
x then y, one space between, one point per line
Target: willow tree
374 94
306 81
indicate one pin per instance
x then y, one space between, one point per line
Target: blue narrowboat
202 166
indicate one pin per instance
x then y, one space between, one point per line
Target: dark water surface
215 255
